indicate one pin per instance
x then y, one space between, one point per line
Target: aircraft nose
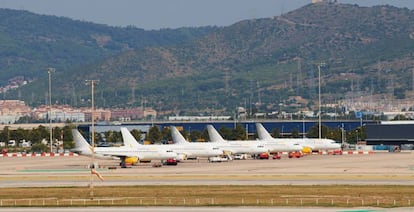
337 146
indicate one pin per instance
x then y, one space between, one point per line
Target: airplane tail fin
214 135
262 132
81 145
177 137
128 138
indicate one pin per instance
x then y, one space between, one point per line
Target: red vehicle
171 162
264 156
277 157
294 155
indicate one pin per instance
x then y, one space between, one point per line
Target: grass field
336 196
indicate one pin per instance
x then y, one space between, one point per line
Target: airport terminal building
390 133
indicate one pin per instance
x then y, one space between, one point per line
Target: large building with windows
390 133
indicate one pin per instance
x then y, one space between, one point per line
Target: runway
373 169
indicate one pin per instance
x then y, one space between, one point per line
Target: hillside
260 62
29 43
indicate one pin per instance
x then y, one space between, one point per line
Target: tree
26 119
113 136
195 135
67 137
358 134
39 147
98 138
166 134
67 133
154 135
205 135
314 131
336 134
276 133
35 136
239 133
4 135
400 117
185 134
226 133
57 133
137 134
295 133
19 134
43 132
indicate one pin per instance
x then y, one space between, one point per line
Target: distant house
12 110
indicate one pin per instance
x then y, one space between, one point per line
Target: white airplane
126 153
196 149
235 147
183 150
279 146
313 144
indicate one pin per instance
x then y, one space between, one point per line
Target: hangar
390 133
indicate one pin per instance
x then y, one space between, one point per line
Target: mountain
29 43
260 62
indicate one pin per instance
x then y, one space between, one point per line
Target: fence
134 201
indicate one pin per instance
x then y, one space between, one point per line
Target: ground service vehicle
240 157
217 159
277 157
294 154
264 156
171 162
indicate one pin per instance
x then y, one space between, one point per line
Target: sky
157 14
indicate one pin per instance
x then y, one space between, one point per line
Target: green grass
217 195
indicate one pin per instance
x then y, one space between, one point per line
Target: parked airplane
235 147
182 148
271 146
126 153
312 143
194 149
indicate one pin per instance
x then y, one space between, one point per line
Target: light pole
303 126
92 166
342 135
357 136
49 71
319 96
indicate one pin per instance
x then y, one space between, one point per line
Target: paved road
381 168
